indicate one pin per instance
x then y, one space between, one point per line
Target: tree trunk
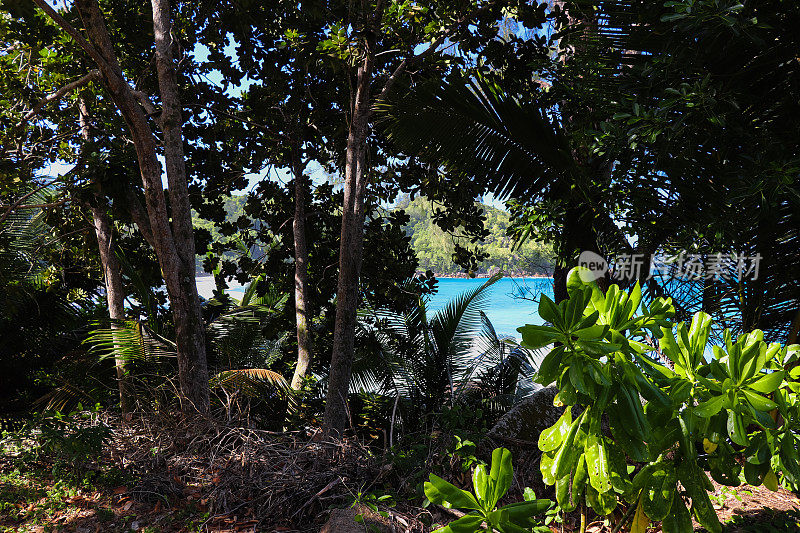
350 250
115 293
112 275
304 351
174 246
189 328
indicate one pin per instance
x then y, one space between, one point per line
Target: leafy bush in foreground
701 411
489 487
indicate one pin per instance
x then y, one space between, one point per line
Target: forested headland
434 247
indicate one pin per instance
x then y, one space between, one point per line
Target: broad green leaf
759 402
551 364
698 333
618 468
694 481
679 520
768 383
480 483
439 491
597 463
658 493
580 478
535 337
736 429
566 456
550 312
602 503
754 473
469 523
551 438
710 407
501 473
562 493
520 513
546 466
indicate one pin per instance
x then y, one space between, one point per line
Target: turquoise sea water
509 305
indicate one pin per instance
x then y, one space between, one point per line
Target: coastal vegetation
433 246
324 164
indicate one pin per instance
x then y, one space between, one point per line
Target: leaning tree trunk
174 245
350 251
112 274
301 305
181 286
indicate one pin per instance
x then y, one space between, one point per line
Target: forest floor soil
226 479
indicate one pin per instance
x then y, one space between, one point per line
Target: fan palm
426 362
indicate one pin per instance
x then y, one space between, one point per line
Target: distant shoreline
445 276
485 275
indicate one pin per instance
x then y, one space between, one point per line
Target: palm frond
128 340
252 382
454 327
514 148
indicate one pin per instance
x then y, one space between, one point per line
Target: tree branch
75 34
35 206
139 215
22 198
59 94
409 61
146 103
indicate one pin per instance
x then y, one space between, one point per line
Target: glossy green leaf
659 492
469 523
736 429
550 312
439 491
768 383
501 474
597 463
521 513
710 407
480 483
678 520
759 402
566 456
551 364
694 481
602 502
551 438
546 467
535 337
563 493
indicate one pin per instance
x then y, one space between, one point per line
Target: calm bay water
508 306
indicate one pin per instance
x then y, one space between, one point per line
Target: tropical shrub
489 486
675 409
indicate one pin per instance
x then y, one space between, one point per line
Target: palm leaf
252 382
514 148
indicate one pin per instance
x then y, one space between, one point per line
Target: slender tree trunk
112 275
187 315
115 294
350 249
304 350
174 245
